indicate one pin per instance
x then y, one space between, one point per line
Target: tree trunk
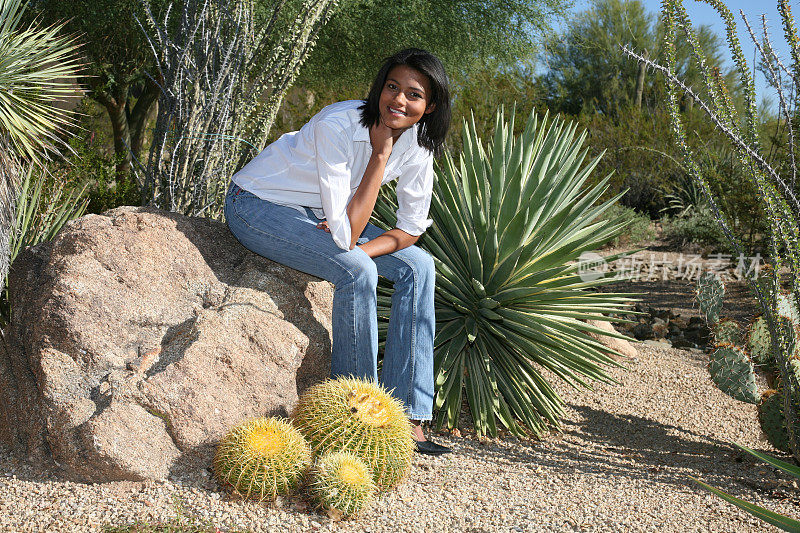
137 120
115 106
640 82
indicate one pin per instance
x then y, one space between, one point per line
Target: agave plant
35 67
511 220
41 211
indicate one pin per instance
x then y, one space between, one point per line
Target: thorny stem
778 199
763 165
220 82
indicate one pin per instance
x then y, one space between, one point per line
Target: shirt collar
407 139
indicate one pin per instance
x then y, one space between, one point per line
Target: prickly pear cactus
759 342
772 419
727 331
342 484
766 282
773 423
787 307
710 292
262 458
360 417
732 371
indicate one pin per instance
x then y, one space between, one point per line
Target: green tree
464 34
117 62
492 41
587 71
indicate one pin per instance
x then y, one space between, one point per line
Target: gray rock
140 337
662 343
660 330
643 331
681 342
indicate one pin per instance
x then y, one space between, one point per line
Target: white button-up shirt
322 165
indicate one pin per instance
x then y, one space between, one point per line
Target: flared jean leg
408 357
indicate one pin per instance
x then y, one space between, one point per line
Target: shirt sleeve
414 189
334 170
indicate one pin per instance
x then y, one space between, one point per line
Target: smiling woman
403 98
305 202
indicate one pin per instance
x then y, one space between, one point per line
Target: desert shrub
637 152
90 164
639 230
698 226
90 167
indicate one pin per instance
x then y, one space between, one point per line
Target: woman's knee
362 268
417 266
422 263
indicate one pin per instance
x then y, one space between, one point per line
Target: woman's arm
385 243
388 242
363 202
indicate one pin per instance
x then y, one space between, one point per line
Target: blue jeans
290 237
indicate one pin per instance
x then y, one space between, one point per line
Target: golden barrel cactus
262 458
342 483
360 417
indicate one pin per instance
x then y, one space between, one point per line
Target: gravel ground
622 464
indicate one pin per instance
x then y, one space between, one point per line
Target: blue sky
702 13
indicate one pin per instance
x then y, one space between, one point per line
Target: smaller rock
661 314
663 343
660 330
643 331
618 345
695 321
681 342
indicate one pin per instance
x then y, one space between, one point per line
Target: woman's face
405 97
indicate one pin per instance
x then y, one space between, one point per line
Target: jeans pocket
234 191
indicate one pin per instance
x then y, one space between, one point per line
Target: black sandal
427 447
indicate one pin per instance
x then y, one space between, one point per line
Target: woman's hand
382 138
324 225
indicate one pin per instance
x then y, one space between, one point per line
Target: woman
305 202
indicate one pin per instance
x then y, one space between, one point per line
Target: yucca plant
776 519
511 220
42 209
36 65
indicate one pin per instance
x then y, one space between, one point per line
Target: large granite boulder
140 337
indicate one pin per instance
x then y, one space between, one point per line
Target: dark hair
433 126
